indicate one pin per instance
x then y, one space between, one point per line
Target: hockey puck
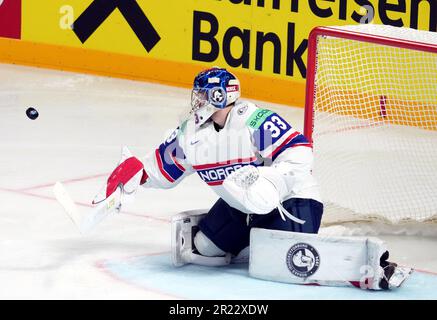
32 113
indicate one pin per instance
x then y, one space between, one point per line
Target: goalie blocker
315 259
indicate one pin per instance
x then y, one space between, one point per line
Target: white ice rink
84 121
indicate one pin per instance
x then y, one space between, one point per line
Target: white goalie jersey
251 136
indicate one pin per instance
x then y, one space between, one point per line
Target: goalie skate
395 276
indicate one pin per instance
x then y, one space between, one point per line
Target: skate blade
399 276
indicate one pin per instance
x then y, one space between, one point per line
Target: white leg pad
242 256
206 247
312 259
182 246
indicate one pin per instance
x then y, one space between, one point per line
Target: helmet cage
216 97
213 89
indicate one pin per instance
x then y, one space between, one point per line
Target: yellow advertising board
263 41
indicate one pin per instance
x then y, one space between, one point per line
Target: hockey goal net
371 112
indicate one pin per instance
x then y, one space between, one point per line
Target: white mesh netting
375 127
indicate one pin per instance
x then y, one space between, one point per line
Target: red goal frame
345 34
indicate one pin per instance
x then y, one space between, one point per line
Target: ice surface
83 123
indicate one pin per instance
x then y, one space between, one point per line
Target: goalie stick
119 188
86 222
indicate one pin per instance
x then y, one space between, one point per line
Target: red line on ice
27 193
64 182
425 271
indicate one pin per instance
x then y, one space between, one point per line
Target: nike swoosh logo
194 142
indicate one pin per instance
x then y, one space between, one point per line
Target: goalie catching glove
259 189
127 176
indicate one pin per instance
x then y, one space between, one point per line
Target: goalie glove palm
127 176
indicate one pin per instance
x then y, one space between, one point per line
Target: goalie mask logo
303 260
217 95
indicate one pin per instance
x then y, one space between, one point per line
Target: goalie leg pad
242 257
312 259
206 247
184 230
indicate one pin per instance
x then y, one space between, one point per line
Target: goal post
371 113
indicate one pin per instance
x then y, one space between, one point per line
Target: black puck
32 113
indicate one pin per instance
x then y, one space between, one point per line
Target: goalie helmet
213 89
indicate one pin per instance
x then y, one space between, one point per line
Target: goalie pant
229 228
